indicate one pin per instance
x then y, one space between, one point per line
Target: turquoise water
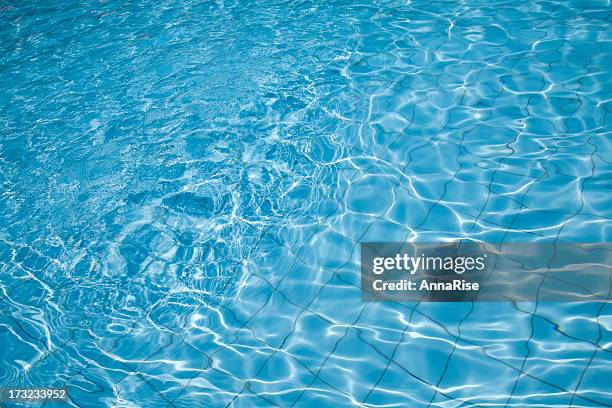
185 185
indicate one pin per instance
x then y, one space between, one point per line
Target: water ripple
184 187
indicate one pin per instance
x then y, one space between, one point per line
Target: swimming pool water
185 186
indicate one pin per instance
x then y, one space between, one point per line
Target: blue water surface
185 184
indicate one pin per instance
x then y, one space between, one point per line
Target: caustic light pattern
185 184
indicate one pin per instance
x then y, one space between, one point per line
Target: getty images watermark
473 271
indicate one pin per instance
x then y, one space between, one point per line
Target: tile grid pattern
307 309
